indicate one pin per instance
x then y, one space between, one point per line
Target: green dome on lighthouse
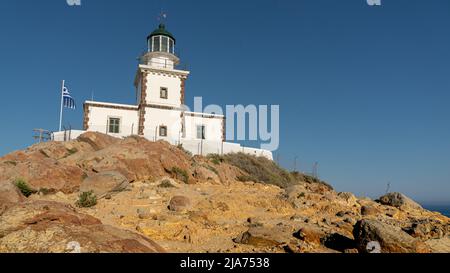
161 31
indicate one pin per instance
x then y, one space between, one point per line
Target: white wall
99 116
196 147
154 118
161 62
213 126
154 84
67 135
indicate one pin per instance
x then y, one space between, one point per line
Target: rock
97 141
180 204
351 251
144 214
338 242
440 245
9 193
390 238
137 159
350 221
41 172
341 214
207 173
347 196
167 182
296 192
50 227
369 211
399 200
264 236
427 229
105 183
310 234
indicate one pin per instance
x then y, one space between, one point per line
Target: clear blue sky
362 90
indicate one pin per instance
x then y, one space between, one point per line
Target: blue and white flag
68 101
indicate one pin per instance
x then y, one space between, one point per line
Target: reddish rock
391 239
369 211
399 200
49 227
97 141
104 183
9 193
310 234
179 204
260 236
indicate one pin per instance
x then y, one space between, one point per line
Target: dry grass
263 170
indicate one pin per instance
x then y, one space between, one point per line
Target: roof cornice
173 72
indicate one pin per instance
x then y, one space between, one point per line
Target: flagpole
62 104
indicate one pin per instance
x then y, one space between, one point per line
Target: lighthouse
160 112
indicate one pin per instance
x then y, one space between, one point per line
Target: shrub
166 184
211 168
263 170
87 200
215 158
72 151
23 187
309 179
46 191
180 174
260 169
9 162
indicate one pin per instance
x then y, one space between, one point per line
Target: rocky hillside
102 194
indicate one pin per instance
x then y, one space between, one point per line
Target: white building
159 113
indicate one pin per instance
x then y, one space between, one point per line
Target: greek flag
68 101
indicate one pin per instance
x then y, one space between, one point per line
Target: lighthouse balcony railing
167 64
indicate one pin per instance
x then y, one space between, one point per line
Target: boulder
399 200
369 211
9 193
347 196
207 173
41 167
41 172
104 183
427 229
295 192
391 239
144 214
137 159
260 236
50 227
180 204
97 141
310 234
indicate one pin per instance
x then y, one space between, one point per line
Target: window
171 46
162 131
164 93
201 132
164 44
156 43
114 125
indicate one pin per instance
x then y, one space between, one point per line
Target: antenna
162 16
295 163
316 170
